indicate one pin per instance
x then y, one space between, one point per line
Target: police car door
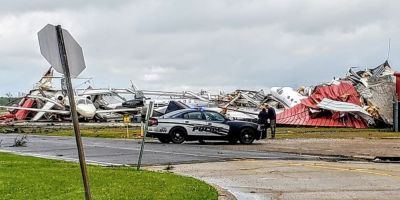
194 122
215 124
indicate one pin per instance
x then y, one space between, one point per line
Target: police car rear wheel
178 135
247 136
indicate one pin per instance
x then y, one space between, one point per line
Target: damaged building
361 99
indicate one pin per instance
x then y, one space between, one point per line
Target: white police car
201 124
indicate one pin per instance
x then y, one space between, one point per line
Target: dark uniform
262 121
272 120
143 114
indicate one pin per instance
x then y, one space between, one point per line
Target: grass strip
282 132
24 177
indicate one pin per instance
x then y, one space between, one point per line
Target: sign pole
148 114
127 120
74 115
127 131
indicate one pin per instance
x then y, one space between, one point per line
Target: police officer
262 121
272 119
143 113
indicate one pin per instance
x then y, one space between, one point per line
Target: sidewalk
357 148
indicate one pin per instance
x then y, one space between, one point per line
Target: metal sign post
57 49
127 120
127 131
148 114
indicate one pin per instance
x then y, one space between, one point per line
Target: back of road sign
127 119
49 49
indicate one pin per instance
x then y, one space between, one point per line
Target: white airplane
287 95
84 107
114 98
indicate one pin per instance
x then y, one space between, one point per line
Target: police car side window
213 116
178 116
193 115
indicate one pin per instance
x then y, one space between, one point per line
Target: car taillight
153 122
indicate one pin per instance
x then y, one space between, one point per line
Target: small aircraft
113 98
84 107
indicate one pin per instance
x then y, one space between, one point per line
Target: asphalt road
246 174
126 152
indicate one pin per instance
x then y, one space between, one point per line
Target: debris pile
377 89
361 99
45 103
326 106
243 104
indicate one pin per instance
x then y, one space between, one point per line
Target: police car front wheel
247 136
178 135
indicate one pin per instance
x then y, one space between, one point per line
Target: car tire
247 136
164 140
178 135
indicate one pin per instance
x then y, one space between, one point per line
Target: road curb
223 194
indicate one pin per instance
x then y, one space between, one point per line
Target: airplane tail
138 94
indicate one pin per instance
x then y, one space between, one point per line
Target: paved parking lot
299 180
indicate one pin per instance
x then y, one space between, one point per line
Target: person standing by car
262 121
272 119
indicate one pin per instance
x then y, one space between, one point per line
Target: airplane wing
63 112
119 110
94 92
46 99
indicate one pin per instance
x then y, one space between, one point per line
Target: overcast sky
208 44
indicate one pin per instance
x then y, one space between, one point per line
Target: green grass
85 132
334 133
282 132
102 133
23 177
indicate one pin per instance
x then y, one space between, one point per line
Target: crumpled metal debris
370 91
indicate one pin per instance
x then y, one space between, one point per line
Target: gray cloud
23 6
217 45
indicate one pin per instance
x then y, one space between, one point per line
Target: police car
201 124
